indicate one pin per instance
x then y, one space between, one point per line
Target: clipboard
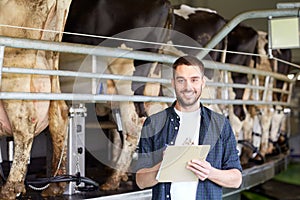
173 166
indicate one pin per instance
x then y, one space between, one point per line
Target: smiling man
188 122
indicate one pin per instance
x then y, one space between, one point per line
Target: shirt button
172 120
172 143
176 128
168 196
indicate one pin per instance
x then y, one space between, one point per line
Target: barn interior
98 141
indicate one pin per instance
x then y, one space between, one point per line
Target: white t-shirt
188 134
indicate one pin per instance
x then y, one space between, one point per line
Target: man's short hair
188 60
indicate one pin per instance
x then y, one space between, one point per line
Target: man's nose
188 84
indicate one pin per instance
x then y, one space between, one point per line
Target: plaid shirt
161 129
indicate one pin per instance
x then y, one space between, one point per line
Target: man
188 122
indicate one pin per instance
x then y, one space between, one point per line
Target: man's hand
231 178
201 168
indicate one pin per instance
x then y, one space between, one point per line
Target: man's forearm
231 178
146 177
226 178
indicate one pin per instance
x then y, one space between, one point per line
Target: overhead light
291 76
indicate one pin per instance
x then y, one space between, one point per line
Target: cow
242 39
263 123
108 18
201 25
24 119
272 117
278 141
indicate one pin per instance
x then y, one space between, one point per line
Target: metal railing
95 51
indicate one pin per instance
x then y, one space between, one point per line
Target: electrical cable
89 184
42 183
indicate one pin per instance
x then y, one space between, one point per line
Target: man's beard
186 103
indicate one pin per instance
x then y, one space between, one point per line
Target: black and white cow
201 25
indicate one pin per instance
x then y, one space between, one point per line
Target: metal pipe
135 98
83 75
94 70
129 78
244 16
115 52
226 81
244 70
132 78
256 83
2 48
82 97
266 90
84 49
208 64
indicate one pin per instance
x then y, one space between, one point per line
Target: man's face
188 83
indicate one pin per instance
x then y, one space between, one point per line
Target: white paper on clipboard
173 166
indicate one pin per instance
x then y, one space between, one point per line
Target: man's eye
180 80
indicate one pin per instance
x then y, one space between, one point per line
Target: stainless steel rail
115 52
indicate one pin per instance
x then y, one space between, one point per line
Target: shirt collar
172 109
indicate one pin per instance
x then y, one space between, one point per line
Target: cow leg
58 123
23 127
275 129
265 125
117 145
247 136
58 127
15 181
132 125
5 128
153 89
132 128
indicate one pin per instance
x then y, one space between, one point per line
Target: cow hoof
54 189
12 191
124 178
111 184
258 160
